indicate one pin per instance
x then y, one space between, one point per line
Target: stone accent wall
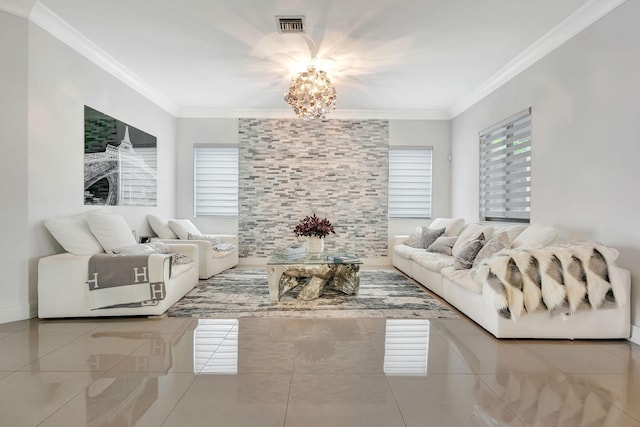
335 168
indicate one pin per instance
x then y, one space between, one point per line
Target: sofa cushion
74 235
535 236
160 226
111 230
406 252
452 225
182 228
433 261
462 278
443 245
470 232
467 255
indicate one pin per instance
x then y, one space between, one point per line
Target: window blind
215 180
505 169
410 182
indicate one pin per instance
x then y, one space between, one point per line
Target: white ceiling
397 58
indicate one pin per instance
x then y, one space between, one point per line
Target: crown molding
339 114
583 17
20 8
62 30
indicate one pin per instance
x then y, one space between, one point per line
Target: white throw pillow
535 236
470 233
161 227
74 235
111 230
512 231
452 226
182 227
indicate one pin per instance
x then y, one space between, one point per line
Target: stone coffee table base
342 277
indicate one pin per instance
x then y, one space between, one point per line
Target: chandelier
311 94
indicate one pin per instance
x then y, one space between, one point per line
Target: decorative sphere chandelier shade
311 95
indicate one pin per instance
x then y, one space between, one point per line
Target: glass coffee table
314 272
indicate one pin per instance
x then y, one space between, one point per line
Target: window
215 180
505 170
410 182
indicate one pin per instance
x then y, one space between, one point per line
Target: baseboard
635 334
17 312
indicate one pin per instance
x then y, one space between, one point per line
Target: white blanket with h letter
127 280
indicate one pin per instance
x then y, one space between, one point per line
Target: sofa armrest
188 249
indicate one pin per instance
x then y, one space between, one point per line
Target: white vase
315 244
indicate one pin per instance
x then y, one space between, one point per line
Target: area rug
240 293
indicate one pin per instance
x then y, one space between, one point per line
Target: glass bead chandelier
311 95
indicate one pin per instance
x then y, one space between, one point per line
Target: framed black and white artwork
120 162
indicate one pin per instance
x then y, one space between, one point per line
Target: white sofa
479 302
210 260
63 289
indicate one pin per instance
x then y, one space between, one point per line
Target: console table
315 272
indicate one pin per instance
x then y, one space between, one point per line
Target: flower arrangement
313 226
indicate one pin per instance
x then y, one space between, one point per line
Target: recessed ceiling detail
290 24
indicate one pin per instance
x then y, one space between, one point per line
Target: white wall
61 83
585 98
201 131
435 133
14 295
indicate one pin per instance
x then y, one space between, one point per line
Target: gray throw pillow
494 245
443 245
464 260
430 235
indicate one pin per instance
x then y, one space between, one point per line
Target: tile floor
307 372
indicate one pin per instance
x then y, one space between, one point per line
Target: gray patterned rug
239 293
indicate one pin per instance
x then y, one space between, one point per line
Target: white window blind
505 169
215 180
410 182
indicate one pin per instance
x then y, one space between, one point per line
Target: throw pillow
111 230
470 232
535 236
224 247
467 255
494 245
74 235
160 226
180 259
182 227
443 245
415 238
215 240
429 236
452 225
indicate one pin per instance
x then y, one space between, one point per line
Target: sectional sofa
496 292
216 253
63 288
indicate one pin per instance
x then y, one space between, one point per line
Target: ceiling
393 58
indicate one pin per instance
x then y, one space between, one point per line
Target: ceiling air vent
290 24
